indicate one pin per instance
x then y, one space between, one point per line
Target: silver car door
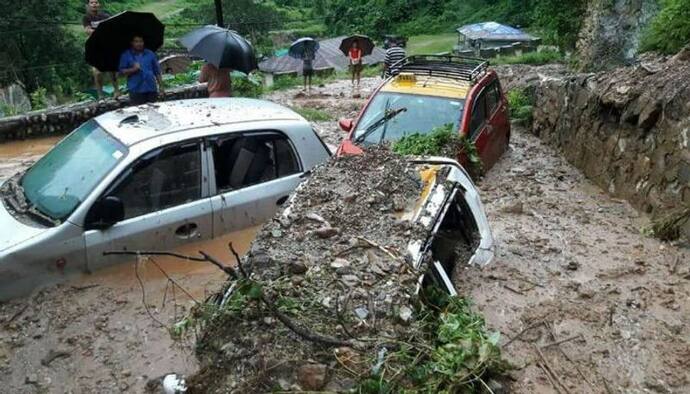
166 204
254 174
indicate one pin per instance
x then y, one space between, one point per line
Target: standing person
140 66
308 68
394 55
90 21
218 80
355 56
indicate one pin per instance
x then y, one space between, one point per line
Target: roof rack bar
448 66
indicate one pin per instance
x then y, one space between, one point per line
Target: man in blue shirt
140 65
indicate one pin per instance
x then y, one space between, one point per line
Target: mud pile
330 290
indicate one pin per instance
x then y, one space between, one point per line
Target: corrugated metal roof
328 57
494 31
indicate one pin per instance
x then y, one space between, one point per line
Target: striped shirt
393 56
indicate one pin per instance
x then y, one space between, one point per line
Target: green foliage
432 143
534 58
313 115
426 44
39 99
670 29
668 227
7 110
521 105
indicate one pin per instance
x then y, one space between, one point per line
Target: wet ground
571 266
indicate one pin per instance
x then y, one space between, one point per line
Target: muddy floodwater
17 155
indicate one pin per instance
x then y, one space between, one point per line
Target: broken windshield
421 115
65 176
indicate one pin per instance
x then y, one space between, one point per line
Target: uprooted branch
205 259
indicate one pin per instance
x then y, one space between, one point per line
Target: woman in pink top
219 83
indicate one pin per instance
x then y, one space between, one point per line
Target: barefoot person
308 68
90 21
355 56
140 66
218 81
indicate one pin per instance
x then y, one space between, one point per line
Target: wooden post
219 13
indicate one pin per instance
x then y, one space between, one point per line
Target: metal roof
328 57
494 31
135 124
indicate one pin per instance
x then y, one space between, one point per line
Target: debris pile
326 299
330 288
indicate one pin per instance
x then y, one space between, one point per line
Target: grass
521 105
312 114
431 44
533 58
161 8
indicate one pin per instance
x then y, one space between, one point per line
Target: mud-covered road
571 267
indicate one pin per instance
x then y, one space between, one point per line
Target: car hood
14 232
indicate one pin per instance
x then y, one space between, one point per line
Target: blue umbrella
303 45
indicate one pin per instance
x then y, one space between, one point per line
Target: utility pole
219 13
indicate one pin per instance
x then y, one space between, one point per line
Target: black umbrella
365 44
301 46
221 47
114 35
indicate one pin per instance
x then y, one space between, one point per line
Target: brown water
17 155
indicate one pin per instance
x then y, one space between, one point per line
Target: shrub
670 29
312 114
521 105
534 58
39 99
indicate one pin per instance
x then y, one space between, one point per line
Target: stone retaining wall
628 130
64 119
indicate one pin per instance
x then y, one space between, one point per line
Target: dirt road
571 262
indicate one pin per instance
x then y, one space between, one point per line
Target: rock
312 376
298 268
350 280
496 386
572 266
31 378
362 312
405 314
326 232
340 263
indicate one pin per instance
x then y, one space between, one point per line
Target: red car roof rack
446 66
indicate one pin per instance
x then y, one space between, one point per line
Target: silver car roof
135 124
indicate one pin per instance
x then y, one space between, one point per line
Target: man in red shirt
355 56
90 21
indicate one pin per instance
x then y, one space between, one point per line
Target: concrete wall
62 120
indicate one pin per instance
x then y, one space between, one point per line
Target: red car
432 91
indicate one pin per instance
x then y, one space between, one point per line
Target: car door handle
281 200
187 231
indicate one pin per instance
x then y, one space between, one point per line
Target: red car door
478 129
498 122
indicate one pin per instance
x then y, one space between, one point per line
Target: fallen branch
562 341
377 246
549 369
582 375
17 314
524 330
205 259
238 260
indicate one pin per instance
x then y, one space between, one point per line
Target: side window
492 98
246 160
161 179
478 114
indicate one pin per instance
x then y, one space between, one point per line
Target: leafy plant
521 105
441 141
39 99
670 29
667 228
312 114
534 58
7 110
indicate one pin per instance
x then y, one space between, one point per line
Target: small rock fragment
326 232
405 314
361 312
298 268
340 263
312 376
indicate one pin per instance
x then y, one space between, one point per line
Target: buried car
150 177
431 92
342 266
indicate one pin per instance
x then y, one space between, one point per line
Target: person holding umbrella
90 21
218 80
305 49
355 56
140 66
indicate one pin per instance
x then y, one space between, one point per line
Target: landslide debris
326 300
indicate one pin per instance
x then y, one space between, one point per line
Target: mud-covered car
432 92
336 277
150 177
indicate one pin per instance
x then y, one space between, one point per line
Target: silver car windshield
412 114
65 176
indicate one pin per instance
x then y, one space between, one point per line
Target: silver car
150 177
